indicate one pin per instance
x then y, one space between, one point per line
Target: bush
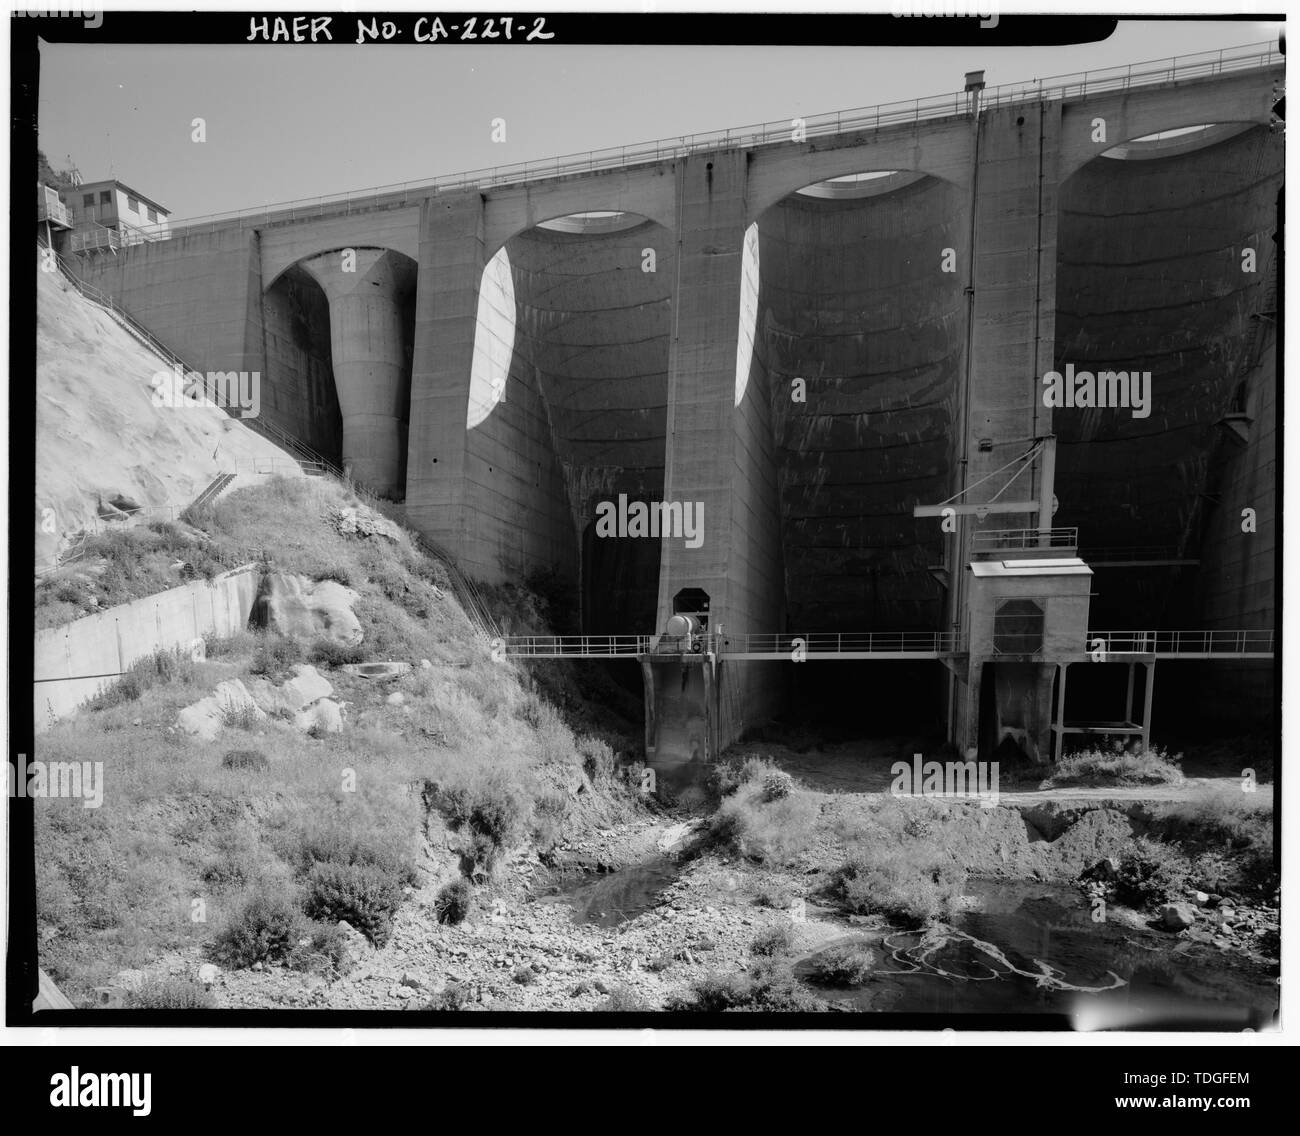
1117 766
251 759
496 814
453 996
770 986
849 965
913 885
240 717
777 785
275 655
774 895
773 941
170 994
453 902
623 1000
597 758
153 670
524 975
1151 873
363 894
766 831
331 653
265 929
327 953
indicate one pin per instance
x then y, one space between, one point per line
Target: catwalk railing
1100 646
1076 85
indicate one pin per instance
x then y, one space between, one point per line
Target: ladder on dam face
884 646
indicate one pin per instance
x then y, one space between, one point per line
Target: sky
287 123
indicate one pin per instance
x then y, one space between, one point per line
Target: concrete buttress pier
370 349
806 340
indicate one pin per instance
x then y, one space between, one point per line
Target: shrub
453 996
777 785
774 895
453 902
331 653
770 986
275 655
1150 873
251 759
1117 766
265 929
765 831
363 894
597 758
326 953
774 941
171 994
912 885
496 814
623 1000
242 716
524 975
848 965
153 670
230 869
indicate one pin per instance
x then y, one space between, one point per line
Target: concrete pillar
368 351
719 445
451 270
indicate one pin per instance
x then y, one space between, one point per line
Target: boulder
354 942
396 698
307 686
1177 916
208 973
294 605
363 522
325 717
205 717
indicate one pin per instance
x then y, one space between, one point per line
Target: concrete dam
826 348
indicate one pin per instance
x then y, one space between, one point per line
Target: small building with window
110 214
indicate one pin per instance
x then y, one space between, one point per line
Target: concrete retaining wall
105 645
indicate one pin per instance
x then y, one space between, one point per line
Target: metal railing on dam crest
1078 84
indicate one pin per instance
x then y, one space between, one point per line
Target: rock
600 987
1226 913
1201 899
425 664
404 992
208 973
207 716
294 605
131 980
354 942
1177 916
396 698
307 686
325 717
109 997
409 979
136 721
1103 870
357 522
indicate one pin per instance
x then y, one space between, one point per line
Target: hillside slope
98 433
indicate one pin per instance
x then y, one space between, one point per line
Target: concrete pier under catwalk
792 339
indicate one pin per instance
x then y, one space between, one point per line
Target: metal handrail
1077 84
999 540
1210 642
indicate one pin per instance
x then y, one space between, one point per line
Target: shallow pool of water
608 899
1033 948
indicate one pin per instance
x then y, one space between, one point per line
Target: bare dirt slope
98 433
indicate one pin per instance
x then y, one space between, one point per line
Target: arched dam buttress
1164 264
370 295
567 411
861 339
